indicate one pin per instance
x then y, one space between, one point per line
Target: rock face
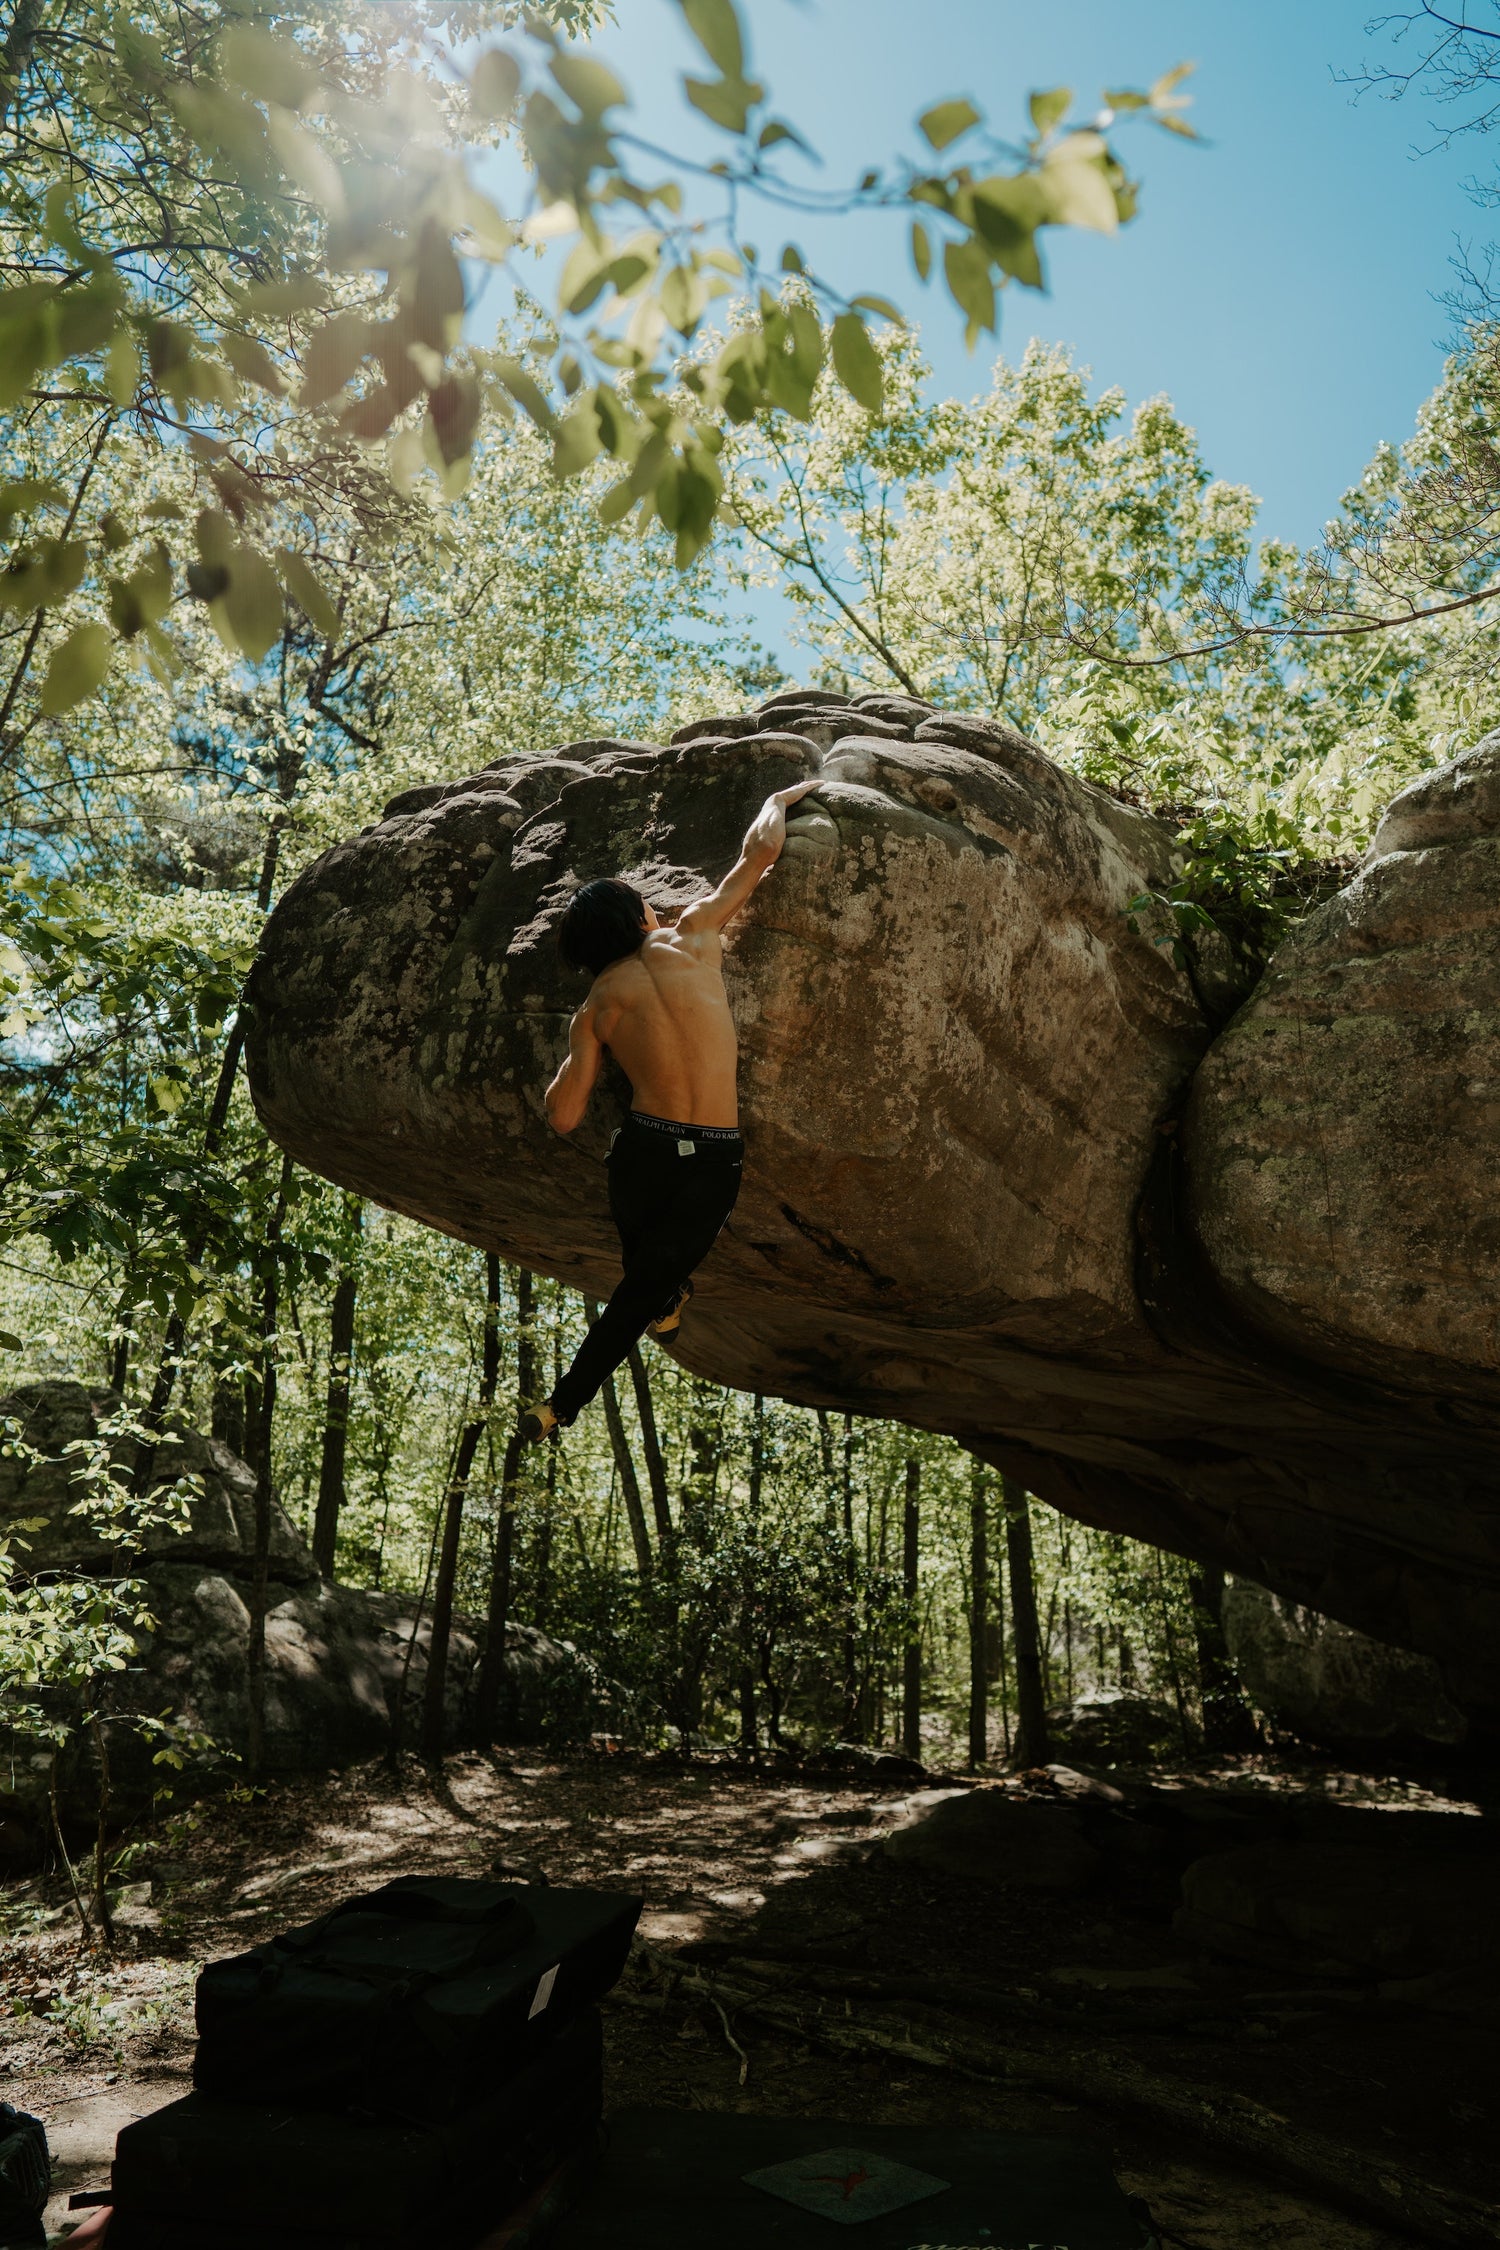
1330 1685
336 1657
966 1082
1350 1912
980 1835
1342 1135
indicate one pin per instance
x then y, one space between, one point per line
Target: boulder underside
1214 1270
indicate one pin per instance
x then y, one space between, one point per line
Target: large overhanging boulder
965 1061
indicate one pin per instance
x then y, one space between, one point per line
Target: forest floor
788 1867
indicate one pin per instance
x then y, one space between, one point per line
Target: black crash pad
675 2180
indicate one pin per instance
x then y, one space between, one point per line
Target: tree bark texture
911 1655
630 1483
1031 1691
265 1419
336 1411
492 1663
435 1690
979 1616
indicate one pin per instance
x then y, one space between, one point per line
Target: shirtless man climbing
658 1004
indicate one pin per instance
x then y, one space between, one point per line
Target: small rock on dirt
982 1835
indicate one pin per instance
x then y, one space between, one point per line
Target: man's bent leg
669 1206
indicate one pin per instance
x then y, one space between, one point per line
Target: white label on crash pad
543 1992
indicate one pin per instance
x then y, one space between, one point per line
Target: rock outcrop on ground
1333 1687
1012 1173
336 1656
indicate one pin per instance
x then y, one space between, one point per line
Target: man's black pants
671 1188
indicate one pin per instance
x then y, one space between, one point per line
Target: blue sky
1280 283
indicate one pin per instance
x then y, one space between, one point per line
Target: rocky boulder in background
969 1064
1331 1686
336 1657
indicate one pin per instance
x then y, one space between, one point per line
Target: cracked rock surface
962 1084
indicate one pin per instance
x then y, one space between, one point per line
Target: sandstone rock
1112 1725
336 1656
56 1418
984 1837
1342 1136
1353 1912
1327 1683
963 1078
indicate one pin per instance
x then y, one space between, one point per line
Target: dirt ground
787 1866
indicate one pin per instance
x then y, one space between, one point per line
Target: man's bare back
664 1016
662 1011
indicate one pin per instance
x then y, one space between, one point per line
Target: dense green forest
734 1569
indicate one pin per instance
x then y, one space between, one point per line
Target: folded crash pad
683 2179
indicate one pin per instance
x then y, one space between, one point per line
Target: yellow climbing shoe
538 1422
670 1322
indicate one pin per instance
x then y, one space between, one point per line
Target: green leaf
726 101
252 362
22 494
1169 81
1006 213
167 1095
716 27
122 367
268 67
588 84
772 134
966 267
453 408
77 668
495 83
1051 108
524 389
332 356
880 306
857 363
683 298
1078 189
142 599
306 589
575 441
10 1342
921 249
252 603
946 121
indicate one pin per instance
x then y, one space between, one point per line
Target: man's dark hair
605 921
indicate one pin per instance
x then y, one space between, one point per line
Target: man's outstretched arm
758 855
568 1095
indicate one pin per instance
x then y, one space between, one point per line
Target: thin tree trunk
851 1727
1031 1695
1169 1639
492 1663
630 1483
656 1468
1228 1723
911 1666
154 1412
435 1690
62 1848
124 1337
101 1893
264 1424
979 1612
330 1506
749 1717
